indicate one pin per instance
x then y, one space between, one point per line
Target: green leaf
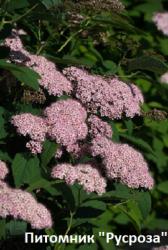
68 195
4 156
23 74
150 8
118 21
163 187
130 126
32 171
17 4
115 135
2 229
160 157
49 186
110 66
16 227
18 169
88 247
25 170
95 204
51 3
132 210
49 151
120 192
163 45
103 241
148 63
3 132
156 223
143 200
70 60
138 142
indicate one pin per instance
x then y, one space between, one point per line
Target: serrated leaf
143 200
132 210
23 74
32 171
25 171
148 63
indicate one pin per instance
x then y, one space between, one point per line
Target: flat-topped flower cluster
21 204
79 125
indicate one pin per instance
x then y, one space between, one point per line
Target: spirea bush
83 121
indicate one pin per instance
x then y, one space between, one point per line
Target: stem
130 76
87 20
67 231
69 39
25 14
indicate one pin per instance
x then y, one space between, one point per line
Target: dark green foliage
125 44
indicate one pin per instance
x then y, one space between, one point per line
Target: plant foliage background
107 43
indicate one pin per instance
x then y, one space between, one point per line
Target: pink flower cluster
69 122
22 205
66 122
122 162
3 170
51 78
99 127
63 122
161 21
164 78
160 248
33 126
111 97
85 174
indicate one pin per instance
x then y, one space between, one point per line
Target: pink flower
66 121
85 174
160 248
122 162
164 78
51 78
22 205
3 170
99 127
35 147
161 21
14 42
59 153
111 97
33 126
